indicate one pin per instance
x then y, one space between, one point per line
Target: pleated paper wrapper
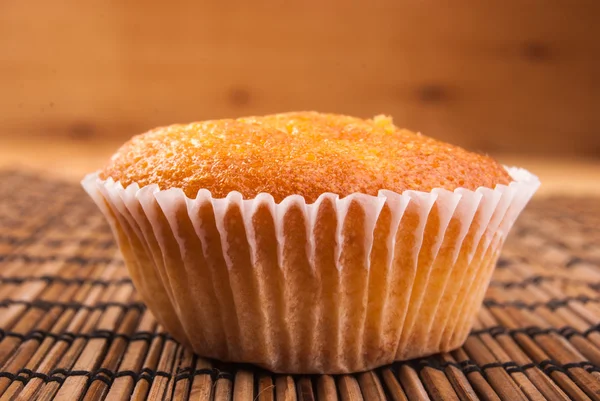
339 285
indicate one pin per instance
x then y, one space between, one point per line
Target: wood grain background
498 76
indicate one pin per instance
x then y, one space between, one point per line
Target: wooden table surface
72 159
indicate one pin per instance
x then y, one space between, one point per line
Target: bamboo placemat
72 326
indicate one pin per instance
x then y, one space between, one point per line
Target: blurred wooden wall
499 76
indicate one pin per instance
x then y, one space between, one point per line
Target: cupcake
309 242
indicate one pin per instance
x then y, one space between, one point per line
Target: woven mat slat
73 327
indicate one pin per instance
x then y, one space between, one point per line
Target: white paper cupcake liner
339 285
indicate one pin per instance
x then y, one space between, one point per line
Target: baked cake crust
301 153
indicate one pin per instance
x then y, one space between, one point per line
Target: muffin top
304 153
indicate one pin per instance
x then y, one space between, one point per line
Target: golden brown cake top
304 153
